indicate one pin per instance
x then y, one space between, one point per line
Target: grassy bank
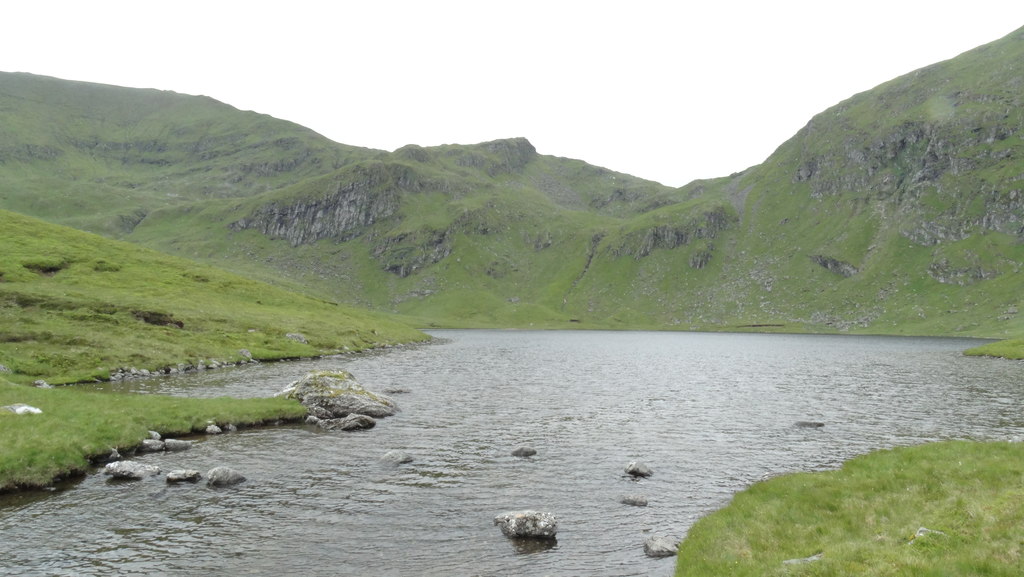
1008 349
77 424
863 518
76 307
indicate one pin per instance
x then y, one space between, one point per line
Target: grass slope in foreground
75 306
864 518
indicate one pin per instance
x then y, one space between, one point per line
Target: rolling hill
897 211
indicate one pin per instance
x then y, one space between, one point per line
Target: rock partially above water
223 477
634 500
524 452
347 423
638 469
151 446
534 524
130 470
659 546
184 476
177 445
396 457
336 394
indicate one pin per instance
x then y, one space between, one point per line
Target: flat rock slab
183 476
130 470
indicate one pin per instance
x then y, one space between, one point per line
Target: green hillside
897 211
75 306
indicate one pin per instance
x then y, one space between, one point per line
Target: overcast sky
661 90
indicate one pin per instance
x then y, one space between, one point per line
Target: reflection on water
709 413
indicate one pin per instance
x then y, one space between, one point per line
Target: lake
709 413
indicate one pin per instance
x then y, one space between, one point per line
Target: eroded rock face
337 394
534 524
130 470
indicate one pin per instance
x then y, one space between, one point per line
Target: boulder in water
658 546
177 445
637 469
130 470
348 423
634 500
183 476
534 524
396 457
223 477
336 394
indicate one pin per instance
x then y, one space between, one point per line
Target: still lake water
709 413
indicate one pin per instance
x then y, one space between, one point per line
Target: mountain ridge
896 211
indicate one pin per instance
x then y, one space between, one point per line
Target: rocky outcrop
353 199
704 225
336 394
532 524
843 269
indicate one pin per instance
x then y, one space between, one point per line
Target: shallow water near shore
709 413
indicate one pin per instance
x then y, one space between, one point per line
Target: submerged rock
809 424
659 546
638 469
634 500
130 470
348 423
534 524
396 457
177 445
223 477
336 394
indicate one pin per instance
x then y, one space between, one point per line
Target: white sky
669 91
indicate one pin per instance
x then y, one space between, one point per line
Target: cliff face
355 199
